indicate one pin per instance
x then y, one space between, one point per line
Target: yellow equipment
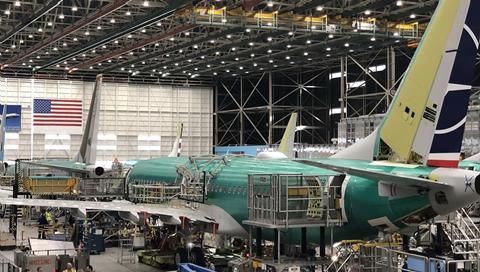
55 185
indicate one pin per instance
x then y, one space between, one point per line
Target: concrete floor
105 262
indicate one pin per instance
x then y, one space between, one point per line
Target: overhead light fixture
289 45
30 36
305 53
269 51
252 55
233 48
229 36
330 36
64 44
17 3
368 12
55 49
399 3
241 67
128 13
319 8
373 39
104 46
116 42
159 24
271 60
346 44
49 23
212 41
250 43
112 20
74 8
87 33
99 27
287 57
129 36
248 30
13 46
75 39
237 59
146 3
309 42
413 16
269 39
215 73
290 33
40 29
143 30
7 12
187 33
61 16
270 4
329 49
21 41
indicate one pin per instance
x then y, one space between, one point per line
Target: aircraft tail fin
3 127
88 147
286 144
177 144
435 85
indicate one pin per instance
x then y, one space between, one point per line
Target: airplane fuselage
365 209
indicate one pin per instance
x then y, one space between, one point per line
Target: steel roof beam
77 25
174 48
135 25
136 45
35 16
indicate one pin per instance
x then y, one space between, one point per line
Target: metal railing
289 200
101 187
154 193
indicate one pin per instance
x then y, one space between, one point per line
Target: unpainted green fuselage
361 200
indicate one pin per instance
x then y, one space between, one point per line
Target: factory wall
136 121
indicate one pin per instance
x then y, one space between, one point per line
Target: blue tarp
188 267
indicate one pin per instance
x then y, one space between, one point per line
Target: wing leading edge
400 180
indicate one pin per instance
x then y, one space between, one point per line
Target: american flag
57 115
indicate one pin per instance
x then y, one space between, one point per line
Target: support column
242 114
342 89
258 239
303 242
322 242
276 244
215 90
390 73
270 109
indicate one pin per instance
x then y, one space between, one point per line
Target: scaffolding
282 201
285 201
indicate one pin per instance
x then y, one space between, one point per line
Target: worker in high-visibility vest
49 216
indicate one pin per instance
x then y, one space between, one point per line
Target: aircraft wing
400 180
67 166
171 214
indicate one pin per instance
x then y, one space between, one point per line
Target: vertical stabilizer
177 145
88 147
407 131
3 128
286 144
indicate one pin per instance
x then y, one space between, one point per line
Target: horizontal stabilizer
400 180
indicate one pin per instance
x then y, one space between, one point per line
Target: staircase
463 234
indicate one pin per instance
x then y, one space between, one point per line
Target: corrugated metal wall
136 121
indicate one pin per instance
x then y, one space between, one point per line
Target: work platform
282 201
293 201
